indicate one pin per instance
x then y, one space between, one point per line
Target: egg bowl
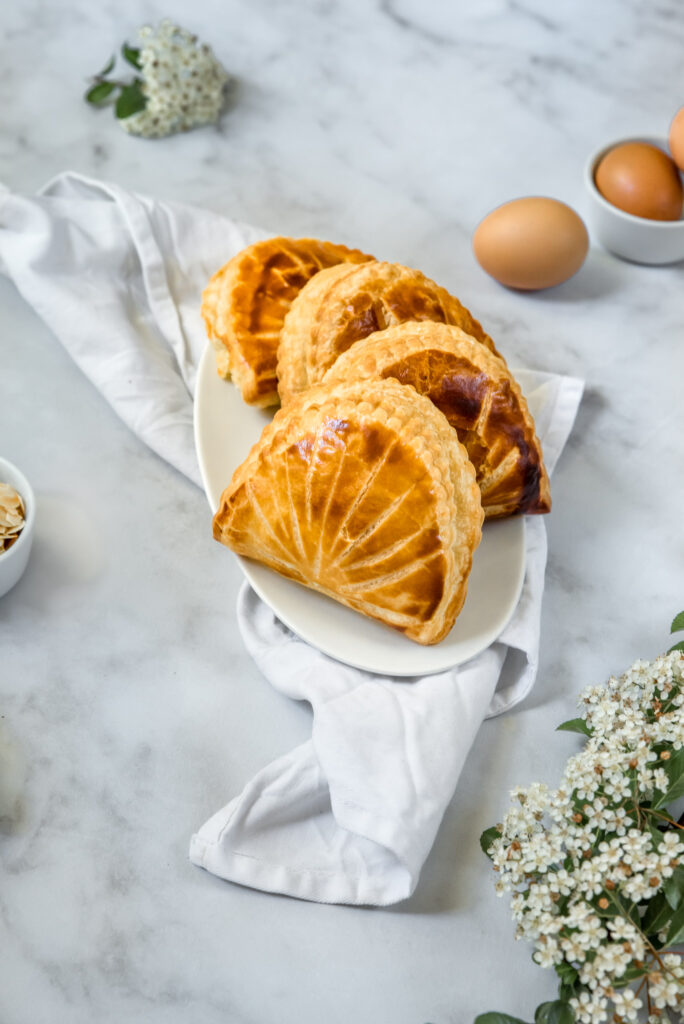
14 561
632 238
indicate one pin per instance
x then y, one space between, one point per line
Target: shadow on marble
234 93
12 778
12 819
599 277
68 549
592 409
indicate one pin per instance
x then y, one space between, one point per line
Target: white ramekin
633 238
14 560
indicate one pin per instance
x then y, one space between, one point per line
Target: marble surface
130 710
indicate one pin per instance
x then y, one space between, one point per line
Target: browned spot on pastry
375 443
363 320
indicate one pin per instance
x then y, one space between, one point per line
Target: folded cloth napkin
350 816
118 278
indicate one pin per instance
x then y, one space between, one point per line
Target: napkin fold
118 277
350 816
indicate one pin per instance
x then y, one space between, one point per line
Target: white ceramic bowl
14 561
633 238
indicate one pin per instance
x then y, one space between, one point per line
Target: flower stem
663 817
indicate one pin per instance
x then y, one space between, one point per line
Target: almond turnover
366 495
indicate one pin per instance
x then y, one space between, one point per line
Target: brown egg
676 139
531 243
642 180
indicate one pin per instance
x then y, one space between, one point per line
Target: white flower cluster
183 83
579 859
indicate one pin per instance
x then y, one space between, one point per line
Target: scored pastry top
245 303
346 303
365 495
479 397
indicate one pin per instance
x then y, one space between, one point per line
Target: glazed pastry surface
346 303
479 397
364 494
246 301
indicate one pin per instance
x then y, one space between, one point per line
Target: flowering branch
180 85
595 868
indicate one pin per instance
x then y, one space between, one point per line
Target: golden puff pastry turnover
479 397
245 303
365 495
341 305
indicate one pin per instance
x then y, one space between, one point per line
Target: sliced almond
12 516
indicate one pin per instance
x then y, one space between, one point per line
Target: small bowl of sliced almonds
17 516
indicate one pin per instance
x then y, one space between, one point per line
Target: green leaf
610 911
677 647
675 773
632 912
541 1014
562 905
673 887
567 992
630 975
557 1012
131 100
566 972
677 623
575 725
496 1017
568 980
488 837
617 907
657 915
676 932
100 93
132 55
107 68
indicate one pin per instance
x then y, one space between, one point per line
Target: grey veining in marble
130 709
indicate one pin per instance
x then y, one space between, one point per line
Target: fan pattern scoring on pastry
365 495
479 397
246 301
345 303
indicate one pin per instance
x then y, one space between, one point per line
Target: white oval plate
225 430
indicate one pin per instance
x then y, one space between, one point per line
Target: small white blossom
589 1009
627 1004
183 83
665 989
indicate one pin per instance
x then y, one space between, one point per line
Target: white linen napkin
118 278
350 816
